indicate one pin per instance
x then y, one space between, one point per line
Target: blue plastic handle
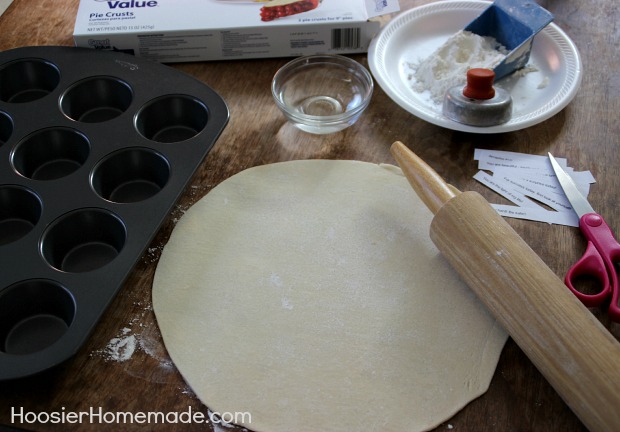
513 23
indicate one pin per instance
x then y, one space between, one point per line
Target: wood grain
519 397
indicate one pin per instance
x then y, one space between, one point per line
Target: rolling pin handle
430 186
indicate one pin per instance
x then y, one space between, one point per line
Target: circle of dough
307 296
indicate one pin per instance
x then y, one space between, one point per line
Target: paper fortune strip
528 181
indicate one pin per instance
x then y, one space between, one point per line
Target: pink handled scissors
601 259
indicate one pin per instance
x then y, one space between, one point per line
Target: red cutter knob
479 84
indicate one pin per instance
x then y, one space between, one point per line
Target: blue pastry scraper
513 23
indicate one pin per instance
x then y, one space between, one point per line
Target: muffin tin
95 149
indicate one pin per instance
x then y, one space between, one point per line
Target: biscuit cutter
513 23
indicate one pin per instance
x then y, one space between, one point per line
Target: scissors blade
577 200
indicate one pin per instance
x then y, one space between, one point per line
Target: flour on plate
448 65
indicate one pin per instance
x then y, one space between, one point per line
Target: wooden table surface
587 132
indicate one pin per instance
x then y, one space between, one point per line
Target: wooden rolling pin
568 345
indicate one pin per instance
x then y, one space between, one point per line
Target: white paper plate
416 33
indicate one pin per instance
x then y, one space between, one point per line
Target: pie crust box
172 31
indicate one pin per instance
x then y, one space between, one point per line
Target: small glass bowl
322 94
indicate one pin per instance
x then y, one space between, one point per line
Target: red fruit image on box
283 8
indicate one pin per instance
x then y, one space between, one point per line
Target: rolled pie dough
309 295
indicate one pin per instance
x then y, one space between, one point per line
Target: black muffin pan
95 149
